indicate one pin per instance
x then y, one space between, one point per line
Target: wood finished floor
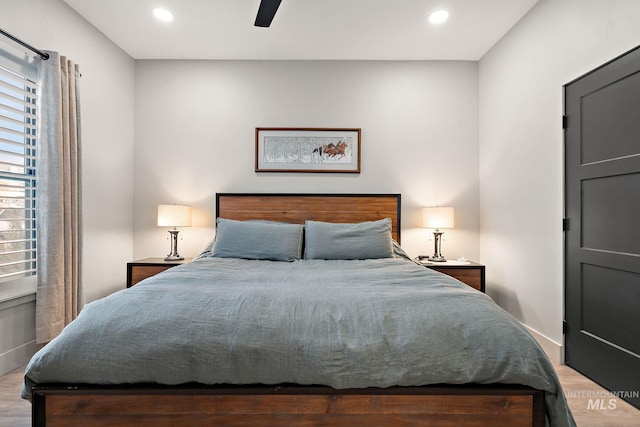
15 412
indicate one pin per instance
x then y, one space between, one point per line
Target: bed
320 327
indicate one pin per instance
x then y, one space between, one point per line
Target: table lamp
437 217
174 216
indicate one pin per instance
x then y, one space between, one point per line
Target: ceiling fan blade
266 12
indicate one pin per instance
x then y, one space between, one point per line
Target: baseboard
17 357
553 349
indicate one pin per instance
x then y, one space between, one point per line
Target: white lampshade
437 217
174 216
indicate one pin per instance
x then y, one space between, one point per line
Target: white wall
195 125
107 106
521 147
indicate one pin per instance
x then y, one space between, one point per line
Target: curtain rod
42 54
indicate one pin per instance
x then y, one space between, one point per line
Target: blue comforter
345 324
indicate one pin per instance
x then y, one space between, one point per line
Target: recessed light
438 17
162 14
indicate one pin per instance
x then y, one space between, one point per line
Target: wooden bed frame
58 405
296 208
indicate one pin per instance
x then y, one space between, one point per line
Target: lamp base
174 255
437 255
427 258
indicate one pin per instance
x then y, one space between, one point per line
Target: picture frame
308 150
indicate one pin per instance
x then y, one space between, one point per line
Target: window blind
18 117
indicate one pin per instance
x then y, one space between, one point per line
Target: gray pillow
276 241
363 240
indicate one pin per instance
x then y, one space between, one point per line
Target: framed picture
308 150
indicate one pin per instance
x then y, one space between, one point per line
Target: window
17 175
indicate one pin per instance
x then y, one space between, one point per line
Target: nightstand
143 268
467 272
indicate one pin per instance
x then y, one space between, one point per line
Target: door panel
602 242
610 120
609 213
602 288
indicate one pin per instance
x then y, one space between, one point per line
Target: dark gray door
602 240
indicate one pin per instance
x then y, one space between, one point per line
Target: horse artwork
314 150
306 150
331 151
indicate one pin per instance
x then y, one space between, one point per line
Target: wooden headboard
296 208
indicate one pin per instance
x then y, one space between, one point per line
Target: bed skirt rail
289 405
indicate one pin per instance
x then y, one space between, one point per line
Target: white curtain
58 192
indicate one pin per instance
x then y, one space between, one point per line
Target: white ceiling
305 29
